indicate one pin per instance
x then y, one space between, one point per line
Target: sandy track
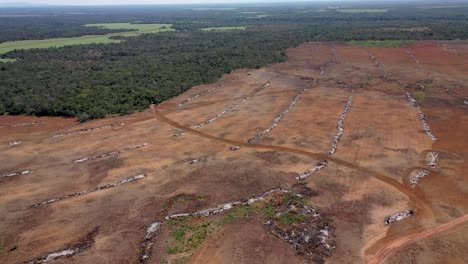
397 244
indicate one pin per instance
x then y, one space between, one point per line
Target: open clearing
379 133
137 29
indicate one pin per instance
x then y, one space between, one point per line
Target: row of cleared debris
411 55
113 153
377 64
422 117
234 105
320 165
99 188
24 124
279 117
336 139
16 173
86 130
329 61
84 243
340 124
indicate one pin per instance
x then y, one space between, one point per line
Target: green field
378 43
88 39
222 28
7 60
368 10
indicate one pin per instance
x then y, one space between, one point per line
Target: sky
127 2
133 2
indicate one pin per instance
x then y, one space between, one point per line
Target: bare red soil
186 167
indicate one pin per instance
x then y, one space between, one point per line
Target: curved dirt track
397 244
380 139
421 204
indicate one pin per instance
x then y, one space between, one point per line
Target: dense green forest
91 81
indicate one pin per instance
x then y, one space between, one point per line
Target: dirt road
395 245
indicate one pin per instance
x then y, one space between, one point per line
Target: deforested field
341 154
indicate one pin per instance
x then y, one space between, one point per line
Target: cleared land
154 187
7 60
137 29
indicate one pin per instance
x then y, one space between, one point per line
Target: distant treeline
91 81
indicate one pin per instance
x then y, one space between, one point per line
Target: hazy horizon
173 2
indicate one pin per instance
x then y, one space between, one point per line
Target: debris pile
303 228
113 153
146 246
84 243
23 172
205 92
339 126
422 117
14 143
194 161
320 165
232 106
278 118
418 177
178 133
398 216
431 159
23 124
99 188
86 130
234 148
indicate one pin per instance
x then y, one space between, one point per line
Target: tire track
401 242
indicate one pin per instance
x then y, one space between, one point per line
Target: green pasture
377 43
138 29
